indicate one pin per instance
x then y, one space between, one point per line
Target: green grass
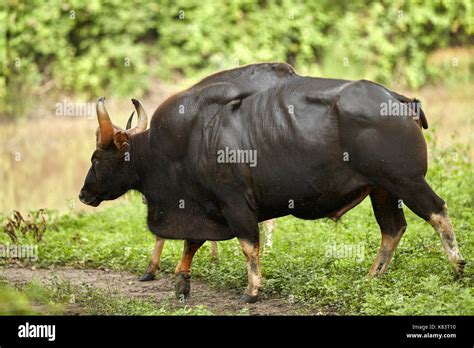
56 299
419 280
13 302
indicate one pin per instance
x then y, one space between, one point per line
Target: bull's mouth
94 202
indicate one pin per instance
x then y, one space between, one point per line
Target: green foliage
120 47
419 280
13 302
394 38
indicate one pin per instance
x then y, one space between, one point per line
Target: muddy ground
160 290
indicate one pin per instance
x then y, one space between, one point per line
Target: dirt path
160 290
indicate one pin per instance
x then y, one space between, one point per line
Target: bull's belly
316 209
187 224
333 206
328 196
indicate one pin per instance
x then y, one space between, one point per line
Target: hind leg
268 227
423 201
442 224
392 226
214 250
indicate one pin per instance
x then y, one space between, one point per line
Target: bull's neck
138 158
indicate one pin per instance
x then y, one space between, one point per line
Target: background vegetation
119 47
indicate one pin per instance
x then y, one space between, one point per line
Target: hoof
459 268
147 277
248 299
182 286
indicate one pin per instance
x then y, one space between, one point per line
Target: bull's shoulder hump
278 69
169 110
219 93
324 91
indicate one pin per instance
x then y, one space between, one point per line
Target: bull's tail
424 121
420 117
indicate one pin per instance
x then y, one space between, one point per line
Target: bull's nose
81 196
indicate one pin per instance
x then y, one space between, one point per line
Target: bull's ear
121 140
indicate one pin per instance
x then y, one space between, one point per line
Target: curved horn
142 119
129 122
105 124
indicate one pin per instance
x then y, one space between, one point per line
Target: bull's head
111 172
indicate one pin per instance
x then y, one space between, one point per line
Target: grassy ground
62 298
299 267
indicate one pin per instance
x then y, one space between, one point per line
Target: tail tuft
424 121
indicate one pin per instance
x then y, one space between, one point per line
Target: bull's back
300 166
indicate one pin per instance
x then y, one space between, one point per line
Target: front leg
243 222
251 252
154 262
183 269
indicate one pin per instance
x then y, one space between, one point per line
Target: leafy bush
89 47
13 302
